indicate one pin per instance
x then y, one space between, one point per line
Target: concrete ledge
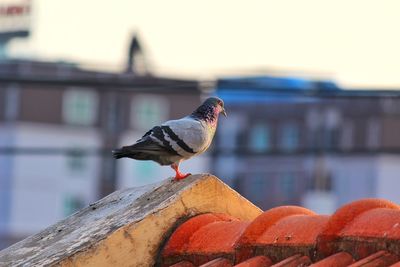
128 227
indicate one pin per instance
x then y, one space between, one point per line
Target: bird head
209 110
217 103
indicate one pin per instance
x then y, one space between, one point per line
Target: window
313 119
144 172
330 138
11 102
289 137
144 169
332 121
256 188
148 111
259 139
321 181
229 131
72 204
80 106
332 118
373 133
346 138
314 123
287 185
76 160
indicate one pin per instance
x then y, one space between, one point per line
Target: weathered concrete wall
127 227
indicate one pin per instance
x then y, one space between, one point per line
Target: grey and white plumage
177 140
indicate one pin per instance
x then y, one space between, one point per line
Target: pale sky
355 42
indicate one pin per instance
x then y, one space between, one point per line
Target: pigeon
176 140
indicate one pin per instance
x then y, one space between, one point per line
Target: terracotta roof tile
291 235
245 247
339 259
344 233
373 223
378 259
348 212
203 238
269 218
361 233
183 264
258 261
219 262
216 237
179 241
295 229
294 261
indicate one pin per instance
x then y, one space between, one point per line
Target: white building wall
6 172
367 177
358 177
353 177
321 202
388 178
42 186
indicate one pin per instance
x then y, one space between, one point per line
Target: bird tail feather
120 153
141 151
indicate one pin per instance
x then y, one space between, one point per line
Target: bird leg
179 175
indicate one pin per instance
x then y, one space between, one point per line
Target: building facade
304 142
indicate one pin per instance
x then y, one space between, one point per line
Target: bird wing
152 146
155 141
186 136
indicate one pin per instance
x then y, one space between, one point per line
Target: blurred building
299 141
58 124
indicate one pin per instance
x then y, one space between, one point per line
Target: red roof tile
337 235
294 261
340 259
295 229
373 223
269 218
183 264
216 237
381 258
219 262
362 233
348 212
179 241
245 247
258 261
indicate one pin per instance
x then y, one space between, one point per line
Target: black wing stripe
179 141
159 134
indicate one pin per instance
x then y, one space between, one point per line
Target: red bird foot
179 175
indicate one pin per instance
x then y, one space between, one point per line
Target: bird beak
224 112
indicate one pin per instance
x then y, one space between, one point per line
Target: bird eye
220 103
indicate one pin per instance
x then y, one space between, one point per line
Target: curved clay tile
179 240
